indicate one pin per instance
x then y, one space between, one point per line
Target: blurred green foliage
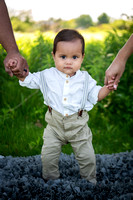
84 21
103 19
22 21
41 51
22 110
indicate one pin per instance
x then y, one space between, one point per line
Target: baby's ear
83 55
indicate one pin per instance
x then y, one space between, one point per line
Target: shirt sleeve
32 81
93 91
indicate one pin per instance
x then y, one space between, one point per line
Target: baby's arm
105 90
12 63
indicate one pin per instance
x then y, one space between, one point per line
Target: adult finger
117 80
108 79
8 70
105 80
26 71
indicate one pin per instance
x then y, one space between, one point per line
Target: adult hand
21 69
117 67
114 72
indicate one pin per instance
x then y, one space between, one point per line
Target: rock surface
20 178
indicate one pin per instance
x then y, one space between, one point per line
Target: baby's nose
69 61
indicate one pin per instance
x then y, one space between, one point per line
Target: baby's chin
69 72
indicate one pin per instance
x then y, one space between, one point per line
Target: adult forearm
126 50
117 67
6 33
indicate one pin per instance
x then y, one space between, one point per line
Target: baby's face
68 57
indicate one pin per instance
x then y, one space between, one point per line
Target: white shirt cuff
26 80
93 97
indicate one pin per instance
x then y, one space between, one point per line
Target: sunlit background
43 10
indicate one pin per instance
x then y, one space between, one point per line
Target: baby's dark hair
68 35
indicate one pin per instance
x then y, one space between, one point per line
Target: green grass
111 140
21 139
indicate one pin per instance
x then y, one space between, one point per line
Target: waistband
80 114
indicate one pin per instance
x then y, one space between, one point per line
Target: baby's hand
12 63
110 85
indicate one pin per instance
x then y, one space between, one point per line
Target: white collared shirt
64 92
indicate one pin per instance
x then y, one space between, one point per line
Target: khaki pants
59 131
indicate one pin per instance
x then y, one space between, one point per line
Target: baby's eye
75 57
63 57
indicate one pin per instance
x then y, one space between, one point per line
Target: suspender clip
50 109
80 113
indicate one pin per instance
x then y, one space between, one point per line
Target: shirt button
65 99
67 81
67 76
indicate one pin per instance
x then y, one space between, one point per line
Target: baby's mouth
67 67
